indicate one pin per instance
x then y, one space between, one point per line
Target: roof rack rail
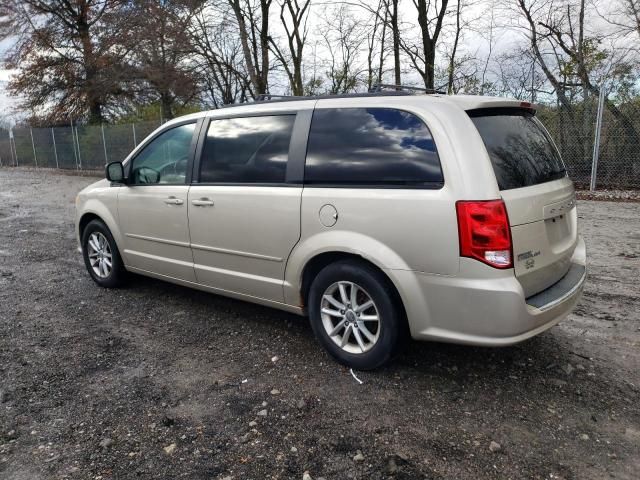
264 97
378 87
271 97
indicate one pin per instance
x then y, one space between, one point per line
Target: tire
381 340
99 235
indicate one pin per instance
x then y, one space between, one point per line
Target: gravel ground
610 195
159 381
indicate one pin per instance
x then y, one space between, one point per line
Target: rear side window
247 150
520 149
371 146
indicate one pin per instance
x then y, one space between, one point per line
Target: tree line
108 60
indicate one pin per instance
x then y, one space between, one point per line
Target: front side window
247 150
165 159
371 146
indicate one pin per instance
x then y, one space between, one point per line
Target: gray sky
474 41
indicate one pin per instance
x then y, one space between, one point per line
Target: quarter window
165 159
371 146
247 150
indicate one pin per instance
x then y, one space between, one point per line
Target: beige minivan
448 218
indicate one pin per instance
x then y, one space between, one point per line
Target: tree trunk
166 104
264 46
90 71
382 44
452 60
256 82
396 43
429 41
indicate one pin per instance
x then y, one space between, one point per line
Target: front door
152 208
244 218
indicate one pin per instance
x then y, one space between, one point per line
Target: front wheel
354 315
101 255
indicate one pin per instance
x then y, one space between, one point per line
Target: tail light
484 233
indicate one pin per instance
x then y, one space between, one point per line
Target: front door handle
173 201
202 202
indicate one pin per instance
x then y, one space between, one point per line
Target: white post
55 149
12 140
10 147
78 143
596 142
135 141
104 145
33 145
73 144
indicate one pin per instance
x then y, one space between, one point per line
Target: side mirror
115 172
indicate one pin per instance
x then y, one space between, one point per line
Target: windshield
520 149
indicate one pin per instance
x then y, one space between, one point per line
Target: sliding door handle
202 202
173 201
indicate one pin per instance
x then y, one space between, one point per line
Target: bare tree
293 15
218 55
536 39
558 29
430 23
253 29
388 14
452 57
519 76
562 27
162 50
344 38
376 38
71 54
393 15
624 15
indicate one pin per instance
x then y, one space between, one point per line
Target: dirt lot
101 384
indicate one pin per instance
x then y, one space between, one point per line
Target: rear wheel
354 315
101 256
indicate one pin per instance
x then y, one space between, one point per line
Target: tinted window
165 159
371 146
520 149
247 150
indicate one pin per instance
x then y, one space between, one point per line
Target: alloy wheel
99 252
350 317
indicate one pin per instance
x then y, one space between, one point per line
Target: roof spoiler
498 103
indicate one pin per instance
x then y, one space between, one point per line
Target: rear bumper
559 292
487 311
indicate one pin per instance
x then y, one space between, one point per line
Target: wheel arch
84 221
315 264
315 251
103 215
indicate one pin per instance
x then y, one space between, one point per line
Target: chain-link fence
599 142
614 129
81 147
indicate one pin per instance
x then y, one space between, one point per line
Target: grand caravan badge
529 258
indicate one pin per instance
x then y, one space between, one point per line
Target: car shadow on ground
546 351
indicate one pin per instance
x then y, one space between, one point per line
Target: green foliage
593 59
153 111
313 86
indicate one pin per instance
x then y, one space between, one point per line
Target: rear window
519 147
371 147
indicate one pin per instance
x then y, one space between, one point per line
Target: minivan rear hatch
539 197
